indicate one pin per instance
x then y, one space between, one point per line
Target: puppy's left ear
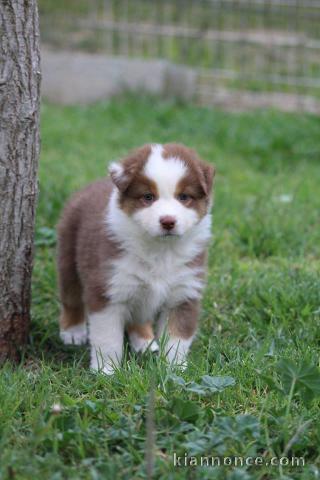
208 176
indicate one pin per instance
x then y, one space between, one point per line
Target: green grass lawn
260 318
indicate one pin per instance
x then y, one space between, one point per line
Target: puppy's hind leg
73 327
182 325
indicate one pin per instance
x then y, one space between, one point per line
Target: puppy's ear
208 172
119 176
123 173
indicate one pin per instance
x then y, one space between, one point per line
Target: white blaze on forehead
165 172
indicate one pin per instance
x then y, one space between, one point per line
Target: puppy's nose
167 222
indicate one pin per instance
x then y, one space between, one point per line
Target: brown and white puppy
131 255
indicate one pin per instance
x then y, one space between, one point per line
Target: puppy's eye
148 197
184 197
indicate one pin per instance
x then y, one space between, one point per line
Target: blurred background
237 54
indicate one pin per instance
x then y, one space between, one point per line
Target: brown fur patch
71 316
198 201
83 248
143 330
183 320
131 183
201 173
132 198
132 165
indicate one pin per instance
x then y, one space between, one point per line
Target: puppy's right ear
119 176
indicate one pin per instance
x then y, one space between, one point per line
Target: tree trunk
19 152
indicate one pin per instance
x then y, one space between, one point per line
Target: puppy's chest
149 285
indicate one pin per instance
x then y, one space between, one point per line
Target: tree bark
19 152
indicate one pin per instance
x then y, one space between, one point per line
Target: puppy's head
165 189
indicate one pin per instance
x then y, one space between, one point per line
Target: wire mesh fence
265 47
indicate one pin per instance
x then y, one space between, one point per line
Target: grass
260 321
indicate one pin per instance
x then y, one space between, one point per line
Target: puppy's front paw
76 335
141 345
106 370
177 350
100 365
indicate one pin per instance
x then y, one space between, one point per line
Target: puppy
132 255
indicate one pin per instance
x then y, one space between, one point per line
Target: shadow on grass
45 345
